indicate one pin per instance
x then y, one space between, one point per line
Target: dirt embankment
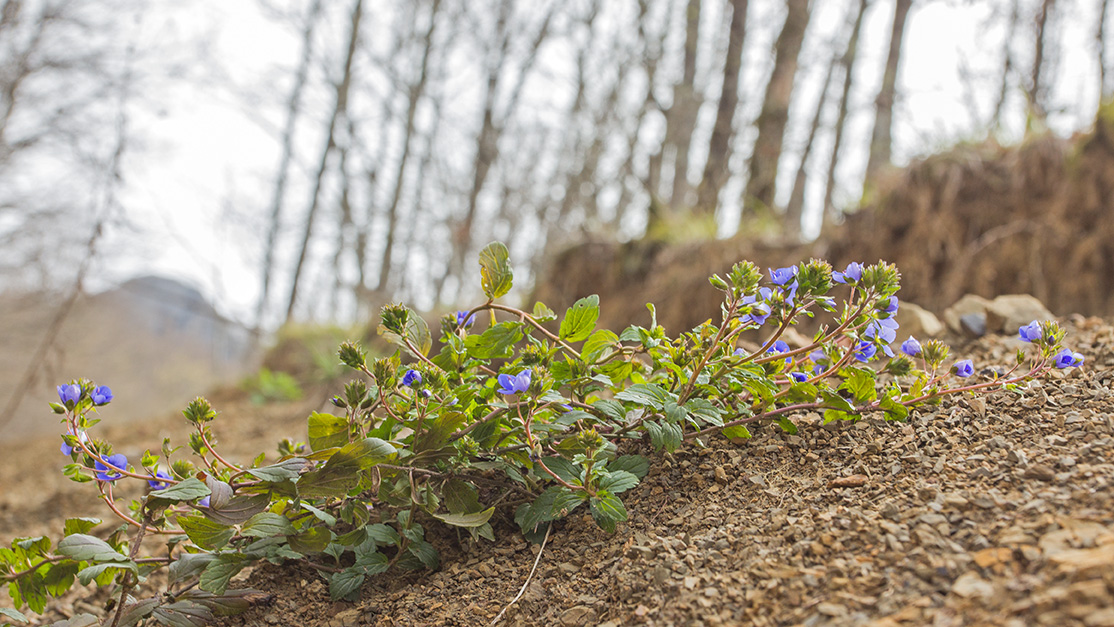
1036 218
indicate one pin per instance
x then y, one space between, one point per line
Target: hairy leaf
496 275
580 319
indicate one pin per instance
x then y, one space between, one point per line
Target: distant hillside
155 341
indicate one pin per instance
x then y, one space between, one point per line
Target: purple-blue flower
109 472
781 276
853 273
759 308
817 370
884 329
69 394
412 378
799 377
1067 359
964 368
780 347
463 320
911 347
817 356
865 351
102 395
1030 332
159 481
739 353
891 306
67 449
514 384
204 502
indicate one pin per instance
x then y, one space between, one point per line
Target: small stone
955 500
711 592
989 557
1066 462
831 610
1017 456
1009 312
971 585
1040 472
1100 618
577 615
691 582
854 481
347 618
721 475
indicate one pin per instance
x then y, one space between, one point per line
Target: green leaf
647 394
321 515
894 410
607 510
81 620
787 425
79 525
238 509
860 383
496 275
618 481
313 540
461 497
60 577
13 614
598 343
86 575
187 490
425 553
415 331
266 525
543 313
836 402
736 432
496 342
183 614
230 603
637 465
341 473
664 435
374 563
217 574
477 519
566 501
286 470
139 610
530 515
383 534
205 533
802 392
705 411
611 409
346 584
831 415
87 548
563 468
327 431
580 319
188 565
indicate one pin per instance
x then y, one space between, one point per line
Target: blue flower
799 377
204 502
818 356
781 276
911 347
412 378
463 320
1067 359
964 368
1030 332
514 384
69 394
155 482
115 463
865 351
817 370
780 347
102 395
884 329
891 306
759 308
853 273
739 353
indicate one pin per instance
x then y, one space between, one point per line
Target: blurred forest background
342 154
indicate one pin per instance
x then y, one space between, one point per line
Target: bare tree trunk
339 110
881 138
416 92
758 199
795 208
719 145
848 63
1100 40
1037 109
1007 66
278 195
681 117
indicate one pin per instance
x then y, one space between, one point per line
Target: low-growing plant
519 409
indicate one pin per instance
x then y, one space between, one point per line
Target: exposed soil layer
995 510
1031 219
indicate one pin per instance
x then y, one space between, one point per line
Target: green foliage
270 387
413 444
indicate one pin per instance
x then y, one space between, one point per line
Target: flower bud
352 355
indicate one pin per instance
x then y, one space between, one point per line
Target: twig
528 578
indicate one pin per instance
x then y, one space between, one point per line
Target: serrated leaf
477 519
188 565
60 577
327 431
860 383
426 554
205 533
188 490
894 410
13 614
86 575
598 343
220 493
81 620
415 331
266 525
230 603
238 509
563 468
286 470
383 535
580 319
566 501
346 583
607 510
496 342
530 515
618 481
802 392
321 515
704 410
183 614
787 425
647 394
496 275
217 574
312 540
138 611
637 465
342 472
460 497
611 409
79 525
373 563
88 548
543 313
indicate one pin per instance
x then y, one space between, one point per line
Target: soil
993 510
